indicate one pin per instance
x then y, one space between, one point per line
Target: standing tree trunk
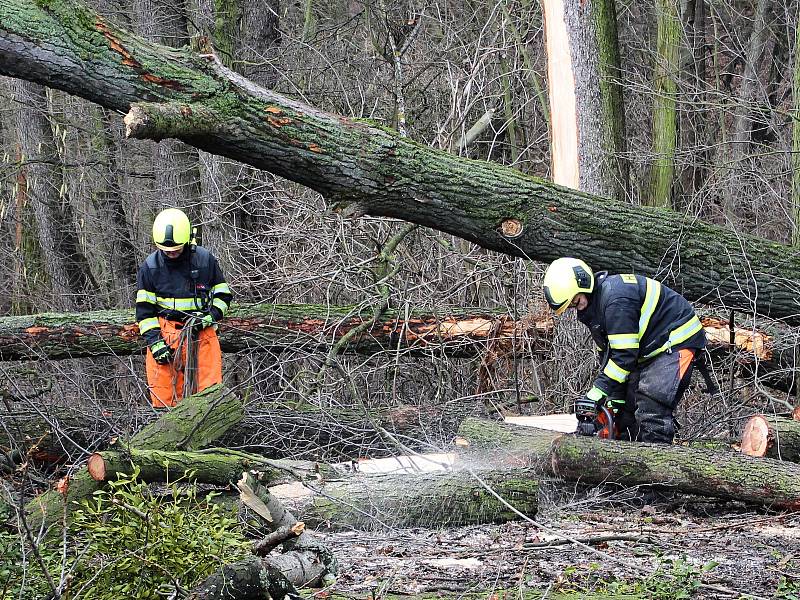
64 262
665 91
795 160
750 104
586 108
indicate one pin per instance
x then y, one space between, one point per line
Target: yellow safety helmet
171 229
564 279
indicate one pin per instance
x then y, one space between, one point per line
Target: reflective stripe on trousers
166 381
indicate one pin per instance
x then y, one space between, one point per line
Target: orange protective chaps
166 381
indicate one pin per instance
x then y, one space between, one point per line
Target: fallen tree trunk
774 437
217 466
729 475
359 501
211 412
276 328
445 499
763 350
172 93
766 350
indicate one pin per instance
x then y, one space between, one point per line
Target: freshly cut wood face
561 90
759 344
756 437
563 422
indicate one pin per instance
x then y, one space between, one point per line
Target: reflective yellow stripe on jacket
678 336
148 324
179 303
615 372
651 298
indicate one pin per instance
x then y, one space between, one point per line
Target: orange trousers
166 381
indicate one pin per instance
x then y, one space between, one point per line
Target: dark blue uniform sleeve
622 325
220 292
147 307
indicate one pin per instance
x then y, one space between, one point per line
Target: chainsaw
599 422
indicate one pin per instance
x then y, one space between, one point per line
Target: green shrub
127 542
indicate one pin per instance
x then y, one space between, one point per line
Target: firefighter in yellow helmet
647 334
181 296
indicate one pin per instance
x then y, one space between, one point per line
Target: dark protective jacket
633 319
174 289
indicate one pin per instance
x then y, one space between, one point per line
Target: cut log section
729 475
326 499
773 437
216 467
441 499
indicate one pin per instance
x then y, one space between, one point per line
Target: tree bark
587 114
62 256
273 328
665 120
372 170
447 499
192 425
774 437
217 466
729 475
210 409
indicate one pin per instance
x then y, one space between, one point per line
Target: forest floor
656 548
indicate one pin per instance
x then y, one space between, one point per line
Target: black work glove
162 353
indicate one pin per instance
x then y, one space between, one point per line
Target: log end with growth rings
796 413
96 466
756 438
511 228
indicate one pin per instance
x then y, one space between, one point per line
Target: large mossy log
212 410
765 350
773 437
276 328
440 499
704 472
175 93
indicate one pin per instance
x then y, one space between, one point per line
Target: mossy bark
373 170
269 328
421 500
216 467
210 417
592 460
192 425
665 118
